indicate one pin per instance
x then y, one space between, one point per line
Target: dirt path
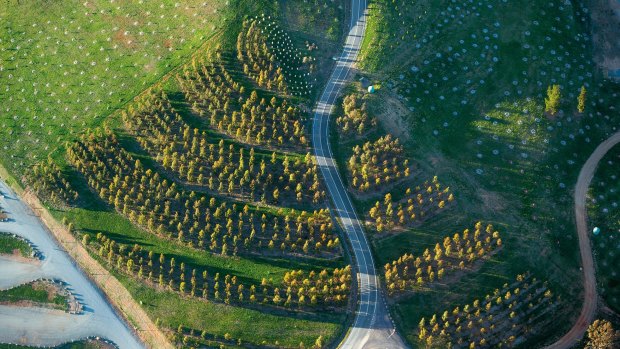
588 311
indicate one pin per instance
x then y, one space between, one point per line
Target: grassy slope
250 325
63 71
131 69
9 244
529 162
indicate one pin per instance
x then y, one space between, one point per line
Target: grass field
39 293
471 78
251 326
9 244
64 71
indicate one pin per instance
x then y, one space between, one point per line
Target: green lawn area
36 292
66 65
252 326
9 244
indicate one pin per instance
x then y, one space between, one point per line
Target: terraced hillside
176 149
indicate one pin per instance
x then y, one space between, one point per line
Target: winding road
44 327
588 310
372 327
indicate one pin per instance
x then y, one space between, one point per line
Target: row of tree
47 180
455 253
322 288
377 163
270 59
417 205
221 166
355 119
505 318
193 219
213 93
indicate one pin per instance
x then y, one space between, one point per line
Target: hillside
171 138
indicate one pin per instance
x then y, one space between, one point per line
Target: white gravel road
14 272
41 327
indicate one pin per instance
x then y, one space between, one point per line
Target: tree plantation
457 252
416 205
220 166
310 174
196 220
505 318
215 162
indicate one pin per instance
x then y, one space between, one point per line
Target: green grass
102 220
476 120
65 70
33 292
250 325
603 212
9 244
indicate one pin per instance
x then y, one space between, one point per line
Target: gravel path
588 311
43 327
14 272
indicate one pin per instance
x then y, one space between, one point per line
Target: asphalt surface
44 327
372 327
588 310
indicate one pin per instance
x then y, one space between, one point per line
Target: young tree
601 335
581 100
552 102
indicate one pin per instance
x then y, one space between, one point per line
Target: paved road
372 327
588 311
39 327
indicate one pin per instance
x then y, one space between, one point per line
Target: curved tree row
417 205
48 182
270 59
505 318
455 252
322 288
213 93
195 220
334 287
221 166
377 163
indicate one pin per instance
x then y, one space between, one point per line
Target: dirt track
588 311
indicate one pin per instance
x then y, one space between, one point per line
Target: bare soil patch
391 113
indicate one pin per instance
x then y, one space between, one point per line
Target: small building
596 230
371 89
